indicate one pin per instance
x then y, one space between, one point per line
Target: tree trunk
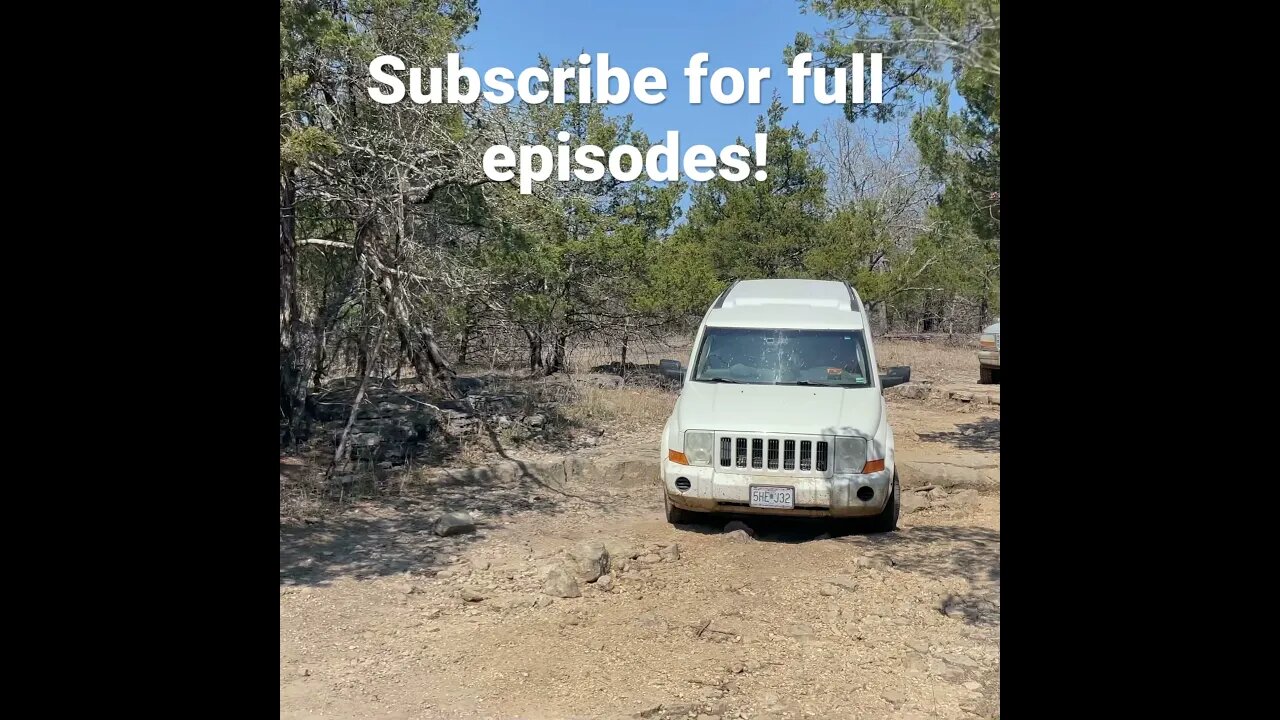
292 363
535 349
424 352
339 455
558 352
624 357
317 374
464 345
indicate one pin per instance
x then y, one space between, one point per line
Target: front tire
675 515
986 375
887 520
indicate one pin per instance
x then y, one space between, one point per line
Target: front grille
771 454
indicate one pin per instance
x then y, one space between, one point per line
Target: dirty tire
887 520
986 375
675 515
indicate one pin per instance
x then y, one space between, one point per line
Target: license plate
773 496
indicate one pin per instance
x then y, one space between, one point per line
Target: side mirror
671 369
895 376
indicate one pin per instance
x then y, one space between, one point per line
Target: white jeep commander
781 411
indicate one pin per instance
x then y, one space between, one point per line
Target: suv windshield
837 358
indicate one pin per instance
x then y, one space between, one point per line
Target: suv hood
785 409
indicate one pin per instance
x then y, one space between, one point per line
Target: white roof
800 304
808 293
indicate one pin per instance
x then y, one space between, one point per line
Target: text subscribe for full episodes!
608 85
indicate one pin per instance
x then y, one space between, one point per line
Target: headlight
697 447
987 342
850 454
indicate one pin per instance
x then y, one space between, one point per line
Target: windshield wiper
719 380
814 384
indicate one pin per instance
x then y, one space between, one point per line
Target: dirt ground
381 617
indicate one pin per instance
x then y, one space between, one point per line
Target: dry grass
629 407
585 357
935 362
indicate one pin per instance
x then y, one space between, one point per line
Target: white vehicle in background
781 410
989 354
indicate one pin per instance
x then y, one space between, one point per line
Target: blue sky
662 34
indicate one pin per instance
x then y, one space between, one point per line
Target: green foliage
930 47
762 228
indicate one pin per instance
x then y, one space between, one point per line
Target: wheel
986 375
887 520
675 515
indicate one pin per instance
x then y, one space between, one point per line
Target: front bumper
717 490
989 358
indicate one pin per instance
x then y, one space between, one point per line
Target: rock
542 602
619 552
910 391
735 525
915 664
480 564
920 646
671 553
963 498
703 716
737 668
829 590
454 523
879 562
304 672
605 583
914 502
409 589
739 536
535 420
591 560
453 573
960 660
650 558
471 595
843 581
558 582
894 697
972 685
307 563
